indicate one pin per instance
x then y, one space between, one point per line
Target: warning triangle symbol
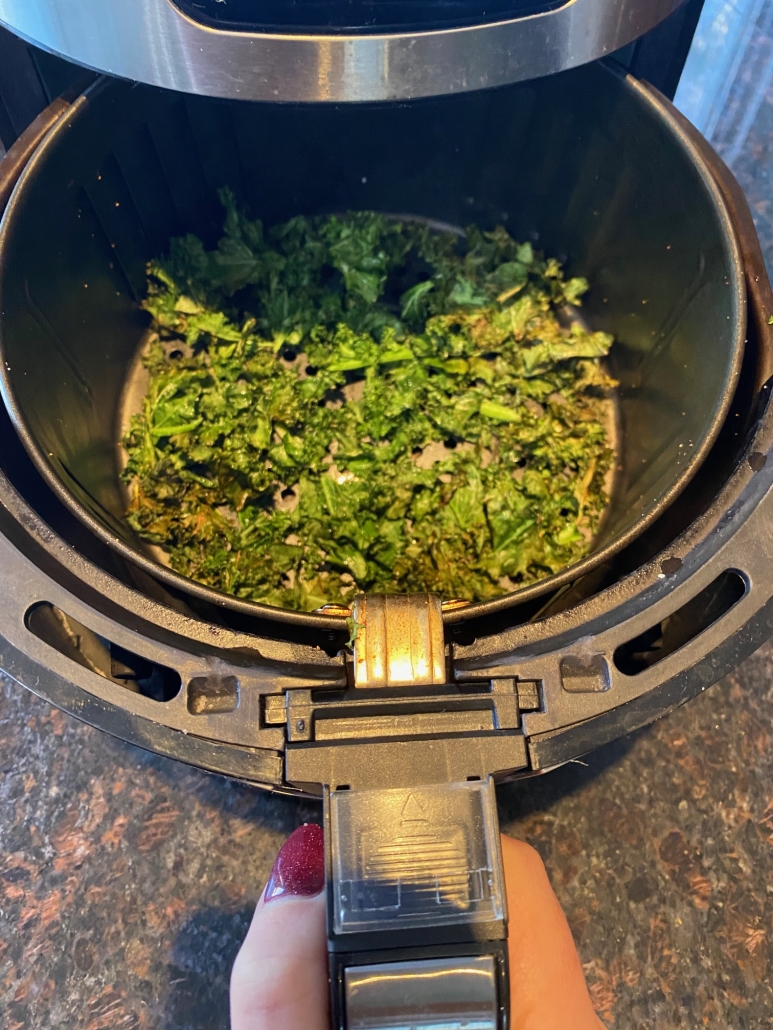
412 810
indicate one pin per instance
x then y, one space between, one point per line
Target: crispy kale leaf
357 403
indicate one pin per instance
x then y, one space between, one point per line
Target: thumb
547 986
279 978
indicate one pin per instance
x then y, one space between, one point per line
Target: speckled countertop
127 880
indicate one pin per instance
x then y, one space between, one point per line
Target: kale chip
357 403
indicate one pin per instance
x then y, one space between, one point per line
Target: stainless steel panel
432 994
153 41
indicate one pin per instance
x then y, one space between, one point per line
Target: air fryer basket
207 680
584 164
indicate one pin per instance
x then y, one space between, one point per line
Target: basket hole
679 628
210 695
107 659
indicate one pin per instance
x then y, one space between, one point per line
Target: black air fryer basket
597 170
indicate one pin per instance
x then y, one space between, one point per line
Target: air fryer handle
416 901
755 272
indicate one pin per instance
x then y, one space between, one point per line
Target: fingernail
299 868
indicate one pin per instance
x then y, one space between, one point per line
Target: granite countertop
127 880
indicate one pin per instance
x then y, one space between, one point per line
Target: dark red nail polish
300 865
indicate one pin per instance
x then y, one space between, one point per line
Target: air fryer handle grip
416 908
416 900
756 274
19 154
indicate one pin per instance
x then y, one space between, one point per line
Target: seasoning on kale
357 403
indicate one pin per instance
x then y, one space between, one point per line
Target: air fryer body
327 51
609 648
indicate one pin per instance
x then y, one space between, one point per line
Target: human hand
279 979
